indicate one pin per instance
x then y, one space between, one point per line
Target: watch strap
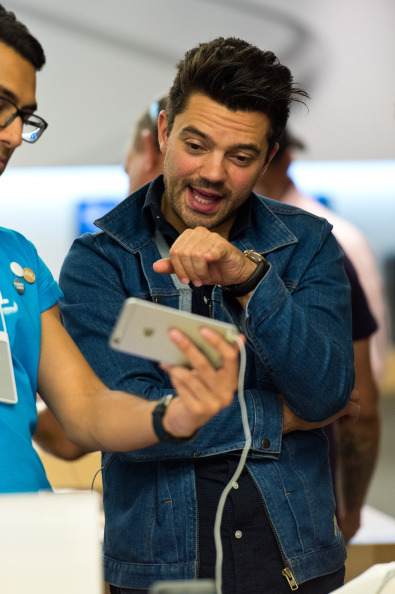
157 420
252 281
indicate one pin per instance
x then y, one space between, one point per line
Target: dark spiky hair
240 76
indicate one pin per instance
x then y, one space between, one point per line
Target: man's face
18 84
213 156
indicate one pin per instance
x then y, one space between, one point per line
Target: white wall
107 60
352 113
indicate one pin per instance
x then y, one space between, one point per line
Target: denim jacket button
266 443
238 534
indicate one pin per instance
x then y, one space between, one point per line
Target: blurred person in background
277 184
354 447
144 160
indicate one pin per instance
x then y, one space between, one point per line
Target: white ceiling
107 60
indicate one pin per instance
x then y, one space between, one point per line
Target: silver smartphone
142 329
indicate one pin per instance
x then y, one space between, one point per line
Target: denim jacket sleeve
94 279
302 332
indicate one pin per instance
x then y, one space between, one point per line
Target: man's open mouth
205 197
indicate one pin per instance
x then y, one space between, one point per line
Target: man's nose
11 136
213 168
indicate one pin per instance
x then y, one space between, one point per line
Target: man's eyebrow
193 130
247 146
8 94
243 146
12 97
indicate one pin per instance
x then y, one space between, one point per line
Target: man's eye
193 146
242 159
4 106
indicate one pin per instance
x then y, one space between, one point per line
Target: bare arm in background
358 445
51 438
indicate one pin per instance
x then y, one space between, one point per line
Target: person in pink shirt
277 184
356 446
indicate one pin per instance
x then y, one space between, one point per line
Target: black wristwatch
252 281
157 421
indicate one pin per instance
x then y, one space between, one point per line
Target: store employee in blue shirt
44 357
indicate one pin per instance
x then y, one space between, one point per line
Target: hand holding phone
143 327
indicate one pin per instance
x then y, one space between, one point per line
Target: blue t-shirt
21 469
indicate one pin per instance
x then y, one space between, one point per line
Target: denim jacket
298 329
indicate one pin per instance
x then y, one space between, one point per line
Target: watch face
166 400
254 256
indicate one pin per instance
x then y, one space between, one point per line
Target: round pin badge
16 268
29 275
19 285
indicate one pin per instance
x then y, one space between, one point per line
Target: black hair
240 76
16 35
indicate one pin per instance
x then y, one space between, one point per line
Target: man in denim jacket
198 239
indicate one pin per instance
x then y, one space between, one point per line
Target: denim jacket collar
123 223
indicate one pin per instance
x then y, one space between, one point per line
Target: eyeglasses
33 125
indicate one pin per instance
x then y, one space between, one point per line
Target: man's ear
272 153
162 131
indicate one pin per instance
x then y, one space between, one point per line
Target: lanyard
8 393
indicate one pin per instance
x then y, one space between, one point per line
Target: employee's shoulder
9 239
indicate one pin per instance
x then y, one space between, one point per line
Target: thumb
163 266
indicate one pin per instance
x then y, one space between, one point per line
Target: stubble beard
174 189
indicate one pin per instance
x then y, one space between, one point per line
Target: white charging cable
240 466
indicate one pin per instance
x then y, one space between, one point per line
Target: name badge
7 386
